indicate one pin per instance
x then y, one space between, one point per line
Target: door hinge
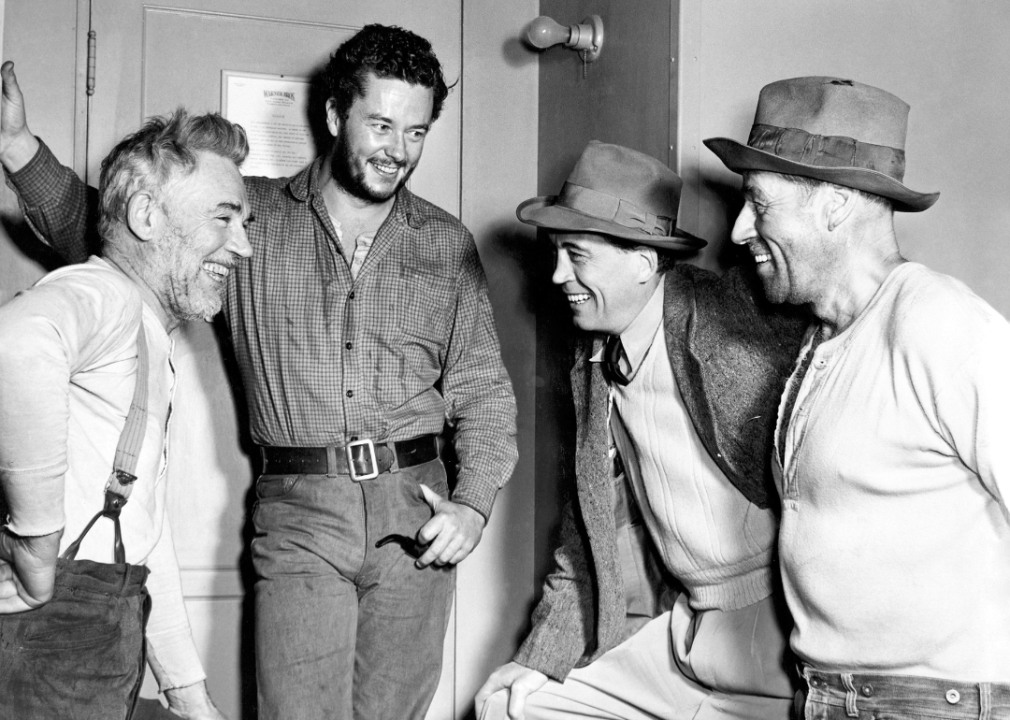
91 62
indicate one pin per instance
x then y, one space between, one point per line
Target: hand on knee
506 692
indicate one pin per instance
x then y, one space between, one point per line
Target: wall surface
499 150
948 59
49 68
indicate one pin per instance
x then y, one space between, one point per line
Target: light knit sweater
895 540
709 536
68 359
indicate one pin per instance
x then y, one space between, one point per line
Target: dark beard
351 178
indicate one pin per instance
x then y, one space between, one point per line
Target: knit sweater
718 545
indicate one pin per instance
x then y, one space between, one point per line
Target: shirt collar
638 337
408 207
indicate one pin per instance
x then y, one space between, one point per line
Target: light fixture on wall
586 37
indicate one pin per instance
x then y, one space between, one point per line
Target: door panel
150 59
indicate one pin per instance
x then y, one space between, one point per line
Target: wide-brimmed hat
615 191
833 130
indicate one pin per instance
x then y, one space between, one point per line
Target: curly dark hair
389 52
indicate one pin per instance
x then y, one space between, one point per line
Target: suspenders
124 467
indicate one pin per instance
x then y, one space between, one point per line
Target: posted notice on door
273 111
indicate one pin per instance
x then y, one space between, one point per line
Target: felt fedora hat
619 192
829 129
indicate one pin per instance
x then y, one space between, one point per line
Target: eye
417 134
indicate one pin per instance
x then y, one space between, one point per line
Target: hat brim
544 212
741 158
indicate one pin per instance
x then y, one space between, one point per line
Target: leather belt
361 459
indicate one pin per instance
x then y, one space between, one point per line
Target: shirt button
350 393
953 696
349 345
351 295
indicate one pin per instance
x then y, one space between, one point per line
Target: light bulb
543 32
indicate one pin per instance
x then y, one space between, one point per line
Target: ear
840 203
144 216
647 263
332 117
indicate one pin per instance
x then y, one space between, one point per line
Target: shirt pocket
426 304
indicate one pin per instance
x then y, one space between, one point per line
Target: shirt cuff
34 501
34 182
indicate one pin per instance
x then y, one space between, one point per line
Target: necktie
612 361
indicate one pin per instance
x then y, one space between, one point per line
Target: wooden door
151 58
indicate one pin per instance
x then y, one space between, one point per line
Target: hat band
613 209
828 151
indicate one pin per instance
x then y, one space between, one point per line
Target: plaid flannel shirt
398 351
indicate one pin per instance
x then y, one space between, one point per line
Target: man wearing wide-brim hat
893 441
662 599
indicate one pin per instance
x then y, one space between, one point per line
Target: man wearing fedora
892 450
675 382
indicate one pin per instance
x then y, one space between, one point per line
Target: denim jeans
344 629
81 655
841 696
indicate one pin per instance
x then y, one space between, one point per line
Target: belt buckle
353 463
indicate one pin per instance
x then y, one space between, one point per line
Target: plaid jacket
399 351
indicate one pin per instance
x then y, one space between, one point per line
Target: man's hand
451 534
27 570
193 702
17 144
518 680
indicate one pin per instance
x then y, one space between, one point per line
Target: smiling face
204 237
606 286
379 144
779 225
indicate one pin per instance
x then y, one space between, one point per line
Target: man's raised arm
58 206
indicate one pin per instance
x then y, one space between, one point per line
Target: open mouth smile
217 271
385 169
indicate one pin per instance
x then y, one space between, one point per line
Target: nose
562 268
397 148
743 228
238 242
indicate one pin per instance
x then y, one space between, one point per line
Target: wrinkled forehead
214 181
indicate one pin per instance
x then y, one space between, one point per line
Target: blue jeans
841 696
81 655
344 629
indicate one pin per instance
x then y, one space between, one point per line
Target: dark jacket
731 354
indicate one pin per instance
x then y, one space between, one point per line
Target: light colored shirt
895 537
715 542
362 244
68 366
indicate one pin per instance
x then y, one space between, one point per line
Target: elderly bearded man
892 440
361 327
86 383
675 384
